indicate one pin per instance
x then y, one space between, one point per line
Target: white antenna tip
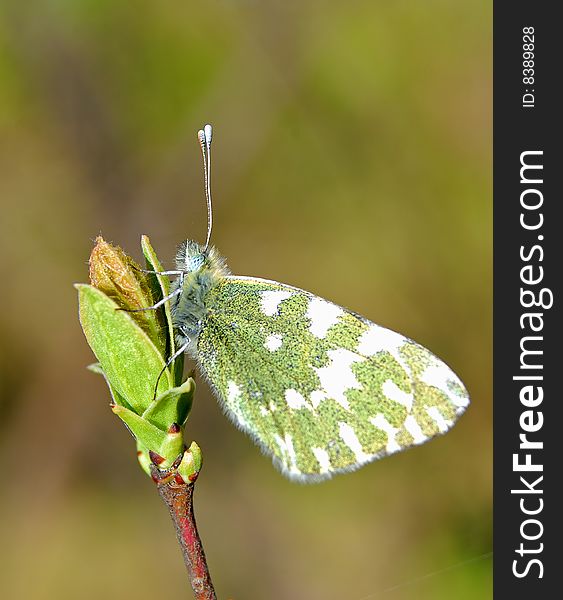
208 132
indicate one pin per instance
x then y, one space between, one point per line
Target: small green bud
191 463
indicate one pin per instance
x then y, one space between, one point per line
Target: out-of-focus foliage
351 158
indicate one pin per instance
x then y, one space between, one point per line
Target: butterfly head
192 257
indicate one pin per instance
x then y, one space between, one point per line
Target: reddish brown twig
178 496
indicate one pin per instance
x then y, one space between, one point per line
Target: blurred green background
352 157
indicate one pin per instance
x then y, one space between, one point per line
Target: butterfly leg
176 292
177 273
178 352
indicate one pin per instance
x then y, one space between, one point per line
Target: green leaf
155 265
143 458
115 395
149 437
144 432
160 284
171 407
128 357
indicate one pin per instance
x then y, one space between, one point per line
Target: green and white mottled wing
320 389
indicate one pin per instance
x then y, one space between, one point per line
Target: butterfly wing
317 387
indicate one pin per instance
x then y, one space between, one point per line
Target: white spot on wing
291 454
323 316
412 426
295 400
378 339
273 342
233 402
288 452
394 392
350 438
438 375
438 417
271 300
323 459
317 397
337 377
382 423
233 391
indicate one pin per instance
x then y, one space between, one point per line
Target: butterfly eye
195 262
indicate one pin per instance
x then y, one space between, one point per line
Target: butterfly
320 389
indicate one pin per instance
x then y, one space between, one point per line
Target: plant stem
178 496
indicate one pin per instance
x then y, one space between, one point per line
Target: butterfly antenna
204 136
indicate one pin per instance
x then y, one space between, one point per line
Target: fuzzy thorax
202 270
